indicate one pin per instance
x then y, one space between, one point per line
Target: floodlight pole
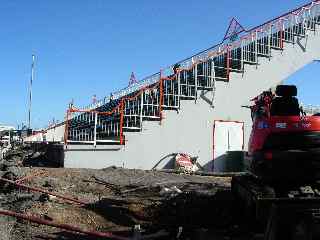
30 91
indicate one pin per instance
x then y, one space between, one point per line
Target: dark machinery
281 194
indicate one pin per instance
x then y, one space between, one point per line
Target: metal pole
35 189
67 227
270 41
30 91
179 88
141 110
9 141
213 81
95 129
195 72
256 49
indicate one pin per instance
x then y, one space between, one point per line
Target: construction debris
112 203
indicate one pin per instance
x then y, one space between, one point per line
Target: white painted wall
191 130
53 134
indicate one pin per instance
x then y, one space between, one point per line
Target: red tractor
281 193
285 143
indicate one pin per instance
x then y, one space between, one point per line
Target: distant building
5 133
5 128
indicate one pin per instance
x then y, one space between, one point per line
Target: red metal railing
34 189
67 227
221 48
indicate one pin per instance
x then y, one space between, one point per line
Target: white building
6 128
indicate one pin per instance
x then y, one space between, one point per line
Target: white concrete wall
191 130
53 134
38 137
144 149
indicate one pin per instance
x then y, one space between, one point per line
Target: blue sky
87 47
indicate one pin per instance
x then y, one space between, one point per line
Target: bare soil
163 205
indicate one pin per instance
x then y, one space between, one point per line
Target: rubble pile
22 155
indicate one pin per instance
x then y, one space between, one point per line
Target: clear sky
87 47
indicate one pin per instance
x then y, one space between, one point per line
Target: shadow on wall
209 166
232 161
167 162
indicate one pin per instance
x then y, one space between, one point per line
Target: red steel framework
34 189
121 106
221 48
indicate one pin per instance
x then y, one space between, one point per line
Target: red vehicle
284 142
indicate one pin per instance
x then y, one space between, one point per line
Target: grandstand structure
311 109
195 106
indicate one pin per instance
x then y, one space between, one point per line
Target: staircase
174 109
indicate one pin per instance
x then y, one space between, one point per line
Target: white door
228 136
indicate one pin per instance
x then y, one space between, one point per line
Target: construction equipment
282 190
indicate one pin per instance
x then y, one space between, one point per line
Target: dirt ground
158 205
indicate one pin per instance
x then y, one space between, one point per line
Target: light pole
30 91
